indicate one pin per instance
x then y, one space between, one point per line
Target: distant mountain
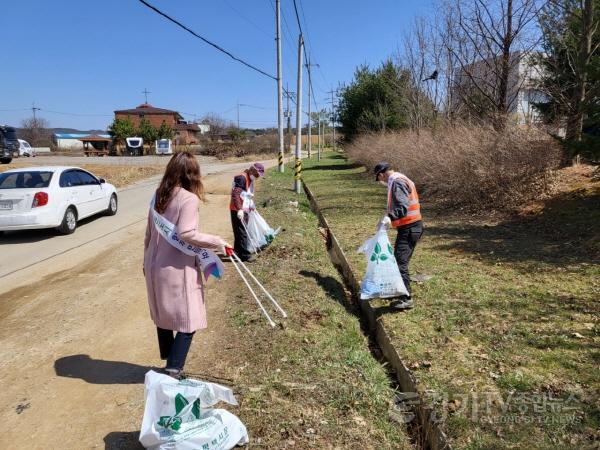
51 131
74 131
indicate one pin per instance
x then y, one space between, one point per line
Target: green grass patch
314 383
509 321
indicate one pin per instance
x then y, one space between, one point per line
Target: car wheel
112 205
69 222
5 160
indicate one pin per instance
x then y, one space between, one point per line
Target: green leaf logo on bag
174 422
378 255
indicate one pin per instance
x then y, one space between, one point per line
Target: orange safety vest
248 181
414 208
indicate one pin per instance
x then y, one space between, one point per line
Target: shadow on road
97 371
122 440
29 236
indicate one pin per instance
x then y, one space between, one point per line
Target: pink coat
175 287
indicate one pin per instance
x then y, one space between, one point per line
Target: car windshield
24 180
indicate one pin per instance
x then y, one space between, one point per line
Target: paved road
30 255
76 338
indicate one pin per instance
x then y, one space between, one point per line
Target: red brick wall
155 119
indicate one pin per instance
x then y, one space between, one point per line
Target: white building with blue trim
71 141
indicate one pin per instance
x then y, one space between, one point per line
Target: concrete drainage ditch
425 432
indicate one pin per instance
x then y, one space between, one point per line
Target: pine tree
571 66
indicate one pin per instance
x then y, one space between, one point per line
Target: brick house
184 133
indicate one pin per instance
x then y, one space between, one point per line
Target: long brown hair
182 171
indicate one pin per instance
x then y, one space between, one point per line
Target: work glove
384 223
240 215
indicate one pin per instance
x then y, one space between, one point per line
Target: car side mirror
102 181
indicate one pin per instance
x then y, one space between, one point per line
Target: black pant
406 241
174 349
240 236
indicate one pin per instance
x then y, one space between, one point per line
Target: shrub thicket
266 144
465 166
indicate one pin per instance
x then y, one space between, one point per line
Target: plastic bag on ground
260 234
176 415
382 279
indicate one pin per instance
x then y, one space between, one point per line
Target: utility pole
238 113
33 110
319 131
333 114
309 119
279 84
298 160
288 114
309 66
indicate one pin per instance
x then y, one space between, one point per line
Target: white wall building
522 85
70 141
204 128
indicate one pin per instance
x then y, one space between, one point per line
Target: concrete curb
430 432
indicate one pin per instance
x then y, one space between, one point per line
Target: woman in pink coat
174 283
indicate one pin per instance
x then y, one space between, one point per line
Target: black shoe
250 258
175 373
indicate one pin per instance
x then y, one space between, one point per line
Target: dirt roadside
73 357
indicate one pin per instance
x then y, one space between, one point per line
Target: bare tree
35 131
419 59
218 125
489 41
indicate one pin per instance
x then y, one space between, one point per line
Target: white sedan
52 197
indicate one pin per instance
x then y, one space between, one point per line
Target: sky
79 60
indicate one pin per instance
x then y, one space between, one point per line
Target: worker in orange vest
242 202
404 214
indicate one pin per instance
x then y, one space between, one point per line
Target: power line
297 17
251 22
212 44
12 110
286 28
306 61
310 47
73 114
286 38
56 112
257 107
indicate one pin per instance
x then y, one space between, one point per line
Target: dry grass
313 383
118 175
509 316
123 175
465 166
261 145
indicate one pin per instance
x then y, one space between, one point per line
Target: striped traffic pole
298 175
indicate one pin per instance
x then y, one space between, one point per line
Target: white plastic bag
260 234
382 279
247 200
175 416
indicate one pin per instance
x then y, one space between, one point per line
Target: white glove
240 215
384 223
